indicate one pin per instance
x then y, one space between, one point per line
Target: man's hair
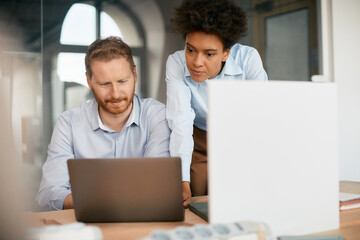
107 49
220 17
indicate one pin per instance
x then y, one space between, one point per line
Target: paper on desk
78 231
344 197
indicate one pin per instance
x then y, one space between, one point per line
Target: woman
211 29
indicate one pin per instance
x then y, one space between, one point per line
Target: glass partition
42 49
21 81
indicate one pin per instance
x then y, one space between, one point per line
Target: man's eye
105 84
210 54
190 50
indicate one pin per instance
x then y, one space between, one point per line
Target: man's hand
68 202
186 194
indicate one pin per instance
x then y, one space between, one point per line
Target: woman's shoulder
176 66
178 56
241 50
242 53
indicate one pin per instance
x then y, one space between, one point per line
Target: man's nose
115 91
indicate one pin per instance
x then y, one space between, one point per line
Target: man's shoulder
149 104
150 108
84 110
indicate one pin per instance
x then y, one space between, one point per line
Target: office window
79 29
79 17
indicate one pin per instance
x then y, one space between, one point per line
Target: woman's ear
226 54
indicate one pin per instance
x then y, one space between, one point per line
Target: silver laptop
127 190
272 149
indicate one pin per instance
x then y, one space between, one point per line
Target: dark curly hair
108 49
220 17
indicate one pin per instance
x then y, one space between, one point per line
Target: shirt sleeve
159 137
254 68
55 185
179 114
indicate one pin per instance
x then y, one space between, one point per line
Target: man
117 123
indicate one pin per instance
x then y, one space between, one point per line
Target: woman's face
204 55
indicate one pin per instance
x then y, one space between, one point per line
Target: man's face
204 55
113 85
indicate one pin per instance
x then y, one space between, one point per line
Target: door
285 34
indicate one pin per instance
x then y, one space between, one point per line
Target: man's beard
108 107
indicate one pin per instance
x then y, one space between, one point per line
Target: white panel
273 154
346 39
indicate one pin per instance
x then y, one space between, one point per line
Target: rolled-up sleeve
179 114
55 185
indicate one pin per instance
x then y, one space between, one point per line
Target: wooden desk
115 230
112 230
349 221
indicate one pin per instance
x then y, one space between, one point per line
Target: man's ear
135 73
88 79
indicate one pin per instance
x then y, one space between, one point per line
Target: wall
173 42
151 18
346 58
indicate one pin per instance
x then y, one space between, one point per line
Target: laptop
127 189
272 152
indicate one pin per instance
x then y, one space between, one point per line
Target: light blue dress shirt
79 133
187 102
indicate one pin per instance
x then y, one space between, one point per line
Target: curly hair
107 49
220 17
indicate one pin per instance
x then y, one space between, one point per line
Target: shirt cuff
185 168
57 203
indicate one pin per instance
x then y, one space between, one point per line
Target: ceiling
21 22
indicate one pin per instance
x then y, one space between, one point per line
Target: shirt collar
95 123
231 68
133 118
187 73
135 113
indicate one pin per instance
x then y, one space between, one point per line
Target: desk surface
349 221
115 230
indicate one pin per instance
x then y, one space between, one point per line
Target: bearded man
115 124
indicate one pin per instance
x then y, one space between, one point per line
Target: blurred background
43 44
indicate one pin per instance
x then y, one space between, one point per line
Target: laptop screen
126 189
